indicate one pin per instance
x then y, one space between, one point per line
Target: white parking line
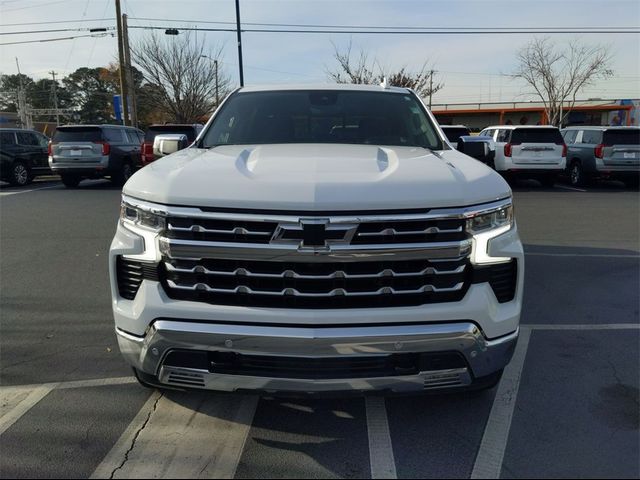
605 326
183 435
573 189
595 255
16 402
381 457
488 462
15 192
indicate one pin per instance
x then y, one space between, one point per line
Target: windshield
77 134
536 135
322 116
622 137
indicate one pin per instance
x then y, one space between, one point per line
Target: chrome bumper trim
483 356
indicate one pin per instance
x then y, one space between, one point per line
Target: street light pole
239 42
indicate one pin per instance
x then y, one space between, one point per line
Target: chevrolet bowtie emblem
314 234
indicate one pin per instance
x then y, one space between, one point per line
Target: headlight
486 226
490 221
135 216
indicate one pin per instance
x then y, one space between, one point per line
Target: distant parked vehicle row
95 151
537 152
603 152
23 155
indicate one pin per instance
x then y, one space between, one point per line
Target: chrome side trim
292 292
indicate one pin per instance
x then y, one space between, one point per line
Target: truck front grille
317 285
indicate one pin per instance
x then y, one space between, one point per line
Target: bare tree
362 69
558 75
183 73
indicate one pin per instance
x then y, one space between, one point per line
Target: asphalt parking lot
568 405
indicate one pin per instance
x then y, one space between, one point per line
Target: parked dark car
24 155
190 130
603 152
454 132
77 152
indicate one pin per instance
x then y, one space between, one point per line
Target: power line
375 27
56 21
5 10
632 30
53 31
43 40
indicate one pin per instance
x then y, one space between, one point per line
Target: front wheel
20 175
577 177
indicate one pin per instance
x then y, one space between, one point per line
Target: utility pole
127 59
25 118
123 78
54 94
239 42
430 87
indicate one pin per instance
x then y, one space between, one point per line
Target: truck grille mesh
316 285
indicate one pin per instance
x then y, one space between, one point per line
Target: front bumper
148 353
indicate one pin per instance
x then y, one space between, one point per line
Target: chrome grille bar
243 272
201 229
336 292
395 232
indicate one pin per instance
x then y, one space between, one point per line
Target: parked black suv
95 151
23 155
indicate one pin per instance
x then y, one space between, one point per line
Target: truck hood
317 177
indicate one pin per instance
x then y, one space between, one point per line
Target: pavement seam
135 437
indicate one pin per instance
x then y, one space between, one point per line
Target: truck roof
323 86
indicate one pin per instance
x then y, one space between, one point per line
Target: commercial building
585 112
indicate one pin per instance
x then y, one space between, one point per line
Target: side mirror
169 143
479 147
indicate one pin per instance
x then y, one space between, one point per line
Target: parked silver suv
603 152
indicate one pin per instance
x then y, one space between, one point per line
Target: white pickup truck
317 239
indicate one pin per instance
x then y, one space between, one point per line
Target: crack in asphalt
135 438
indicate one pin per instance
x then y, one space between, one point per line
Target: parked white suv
317 239
529 151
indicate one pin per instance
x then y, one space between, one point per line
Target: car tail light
50 148
147 152
507 150
564 149
599 151
106 148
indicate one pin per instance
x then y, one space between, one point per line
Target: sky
473 68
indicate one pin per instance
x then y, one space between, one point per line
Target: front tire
577 176
20 175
